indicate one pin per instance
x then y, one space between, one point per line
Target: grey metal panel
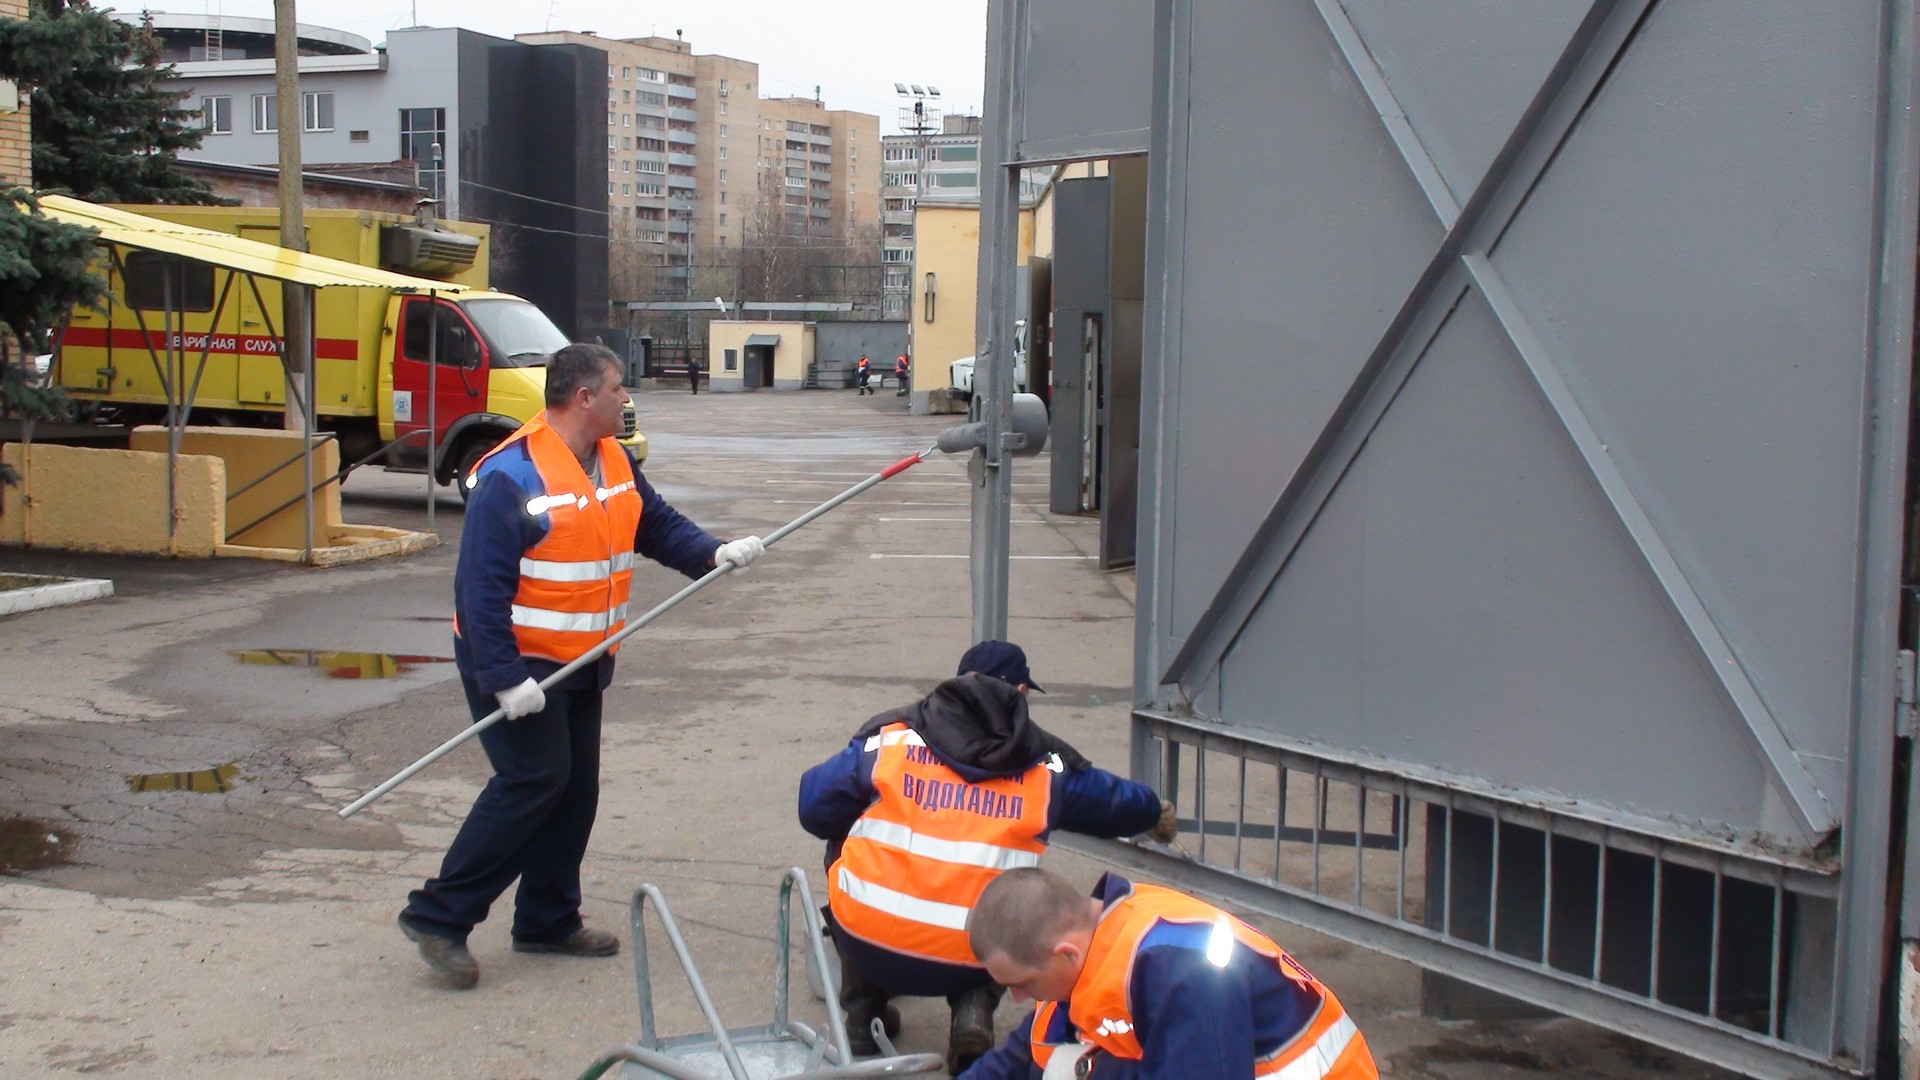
842 343
1731 401
1280 293
1080 274
1470 513
1462 71
1082 64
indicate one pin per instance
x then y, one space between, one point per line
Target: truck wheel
470 455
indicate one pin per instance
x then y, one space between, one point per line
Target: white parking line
1049 558
1034 521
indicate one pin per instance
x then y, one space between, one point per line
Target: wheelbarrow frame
828 1052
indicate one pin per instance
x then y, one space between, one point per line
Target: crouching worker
1141 981
921 811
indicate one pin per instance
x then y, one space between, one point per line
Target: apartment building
943 161
16 155
698 162
500 131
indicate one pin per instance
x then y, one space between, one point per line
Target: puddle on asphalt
30 844
204 781
339 664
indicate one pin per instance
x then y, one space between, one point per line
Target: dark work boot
863 1001
971 1035
446 956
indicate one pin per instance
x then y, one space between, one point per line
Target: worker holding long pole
555 517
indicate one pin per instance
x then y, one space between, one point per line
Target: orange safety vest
900 365
573 583
915 863
1330 1047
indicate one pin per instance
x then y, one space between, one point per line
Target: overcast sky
854 50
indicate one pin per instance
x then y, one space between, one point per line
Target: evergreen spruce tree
103 128
47 268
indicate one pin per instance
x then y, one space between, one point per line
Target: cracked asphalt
252 930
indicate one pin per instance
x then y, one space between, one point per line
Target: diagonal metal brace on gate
1459 264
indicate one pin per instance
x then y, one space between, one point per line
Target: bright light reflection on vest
1220 943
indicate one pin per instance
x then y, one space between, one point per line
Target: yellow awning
220 249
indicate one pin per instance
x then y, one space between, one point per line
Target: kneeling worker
922 810
1141 981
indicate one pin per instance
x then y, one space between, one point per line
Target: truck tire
471 451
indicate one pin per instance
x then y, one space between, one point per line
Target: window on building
611 145
723 241
723 198
609 115
723 179
264 117
626 95
658 146
723 219
216 115
360 135
723 153
626 119
626 189
421 132
723 131
316 110
647 73
625 73
649 97
959 153
626 166
723 108
956 179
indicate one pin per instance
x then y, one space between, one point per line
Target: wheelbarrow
783 1048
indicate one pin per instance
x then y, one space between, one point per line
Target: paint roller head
1026 435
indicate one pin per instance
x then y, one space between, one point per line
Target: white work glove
522 700
740 553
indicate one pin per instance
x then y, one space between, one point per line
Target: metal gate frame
1024 129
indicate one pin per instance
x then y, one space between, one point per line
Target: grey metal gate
1524 433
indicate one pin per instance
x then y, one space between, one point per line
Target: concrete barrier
83 499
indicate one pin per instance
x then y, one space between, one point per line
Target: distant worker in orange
865 371
900 369
1137 981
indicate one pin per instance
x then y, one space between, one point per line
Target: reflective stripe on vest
881 898
573 582
1317 1061
964 852
914 863
1328 1047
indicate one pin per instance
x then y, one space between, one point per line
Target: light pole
919 117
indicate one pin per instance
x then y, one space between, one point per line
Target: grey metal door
1080 274
1522 482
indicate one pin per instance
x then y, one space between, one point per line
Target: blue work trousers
531 821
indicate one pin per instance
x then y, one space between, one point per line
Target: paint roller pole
662 608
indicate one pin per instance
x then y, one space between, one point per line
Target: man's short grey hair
576 366
1023 913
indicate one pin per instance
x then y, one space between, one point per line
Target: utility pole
297 301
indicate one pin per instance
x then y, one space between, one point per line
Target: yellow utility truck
371 346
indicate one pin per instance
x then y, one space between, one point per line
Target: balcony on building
677 225
820 211
680 202
675 180
681 138
685 160
684 93
674 112
896 217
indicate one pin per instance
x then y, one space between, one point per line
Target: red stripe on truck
96 337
